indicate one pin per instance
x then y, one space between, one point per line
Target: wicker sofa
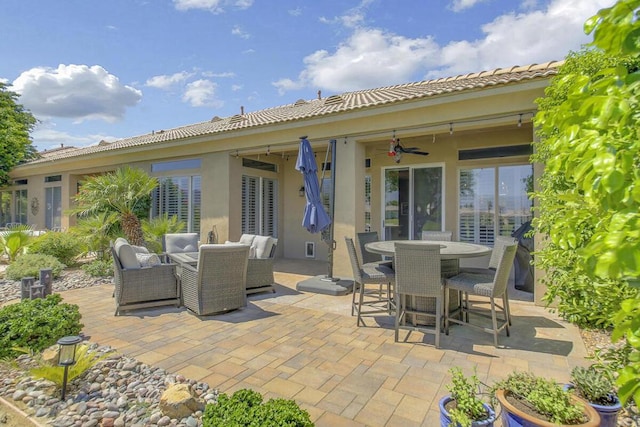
141 280
261 256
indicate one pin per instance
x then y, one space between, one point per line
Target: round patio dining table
450 253
448 250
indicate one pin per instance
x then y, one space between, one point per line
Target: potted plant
464 407
596 387
529 400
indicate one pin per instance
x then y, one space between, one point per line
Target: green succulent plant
593 385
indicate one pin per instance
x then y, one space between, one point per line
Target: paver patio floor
307 347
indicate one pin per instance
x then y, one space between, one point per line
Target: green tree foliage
61 245
593 149
15 125
564 214
123 192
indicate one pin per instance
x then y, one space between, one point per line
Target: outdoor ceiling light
67 356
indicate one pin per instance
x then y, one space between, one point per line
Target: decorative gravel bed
118 391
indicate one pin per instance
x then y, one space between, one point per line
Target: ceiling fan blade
422 153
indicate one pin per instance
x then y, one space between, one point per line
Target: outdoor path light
67 356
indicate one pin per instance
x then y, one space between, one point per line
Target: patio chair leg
447 298
494 322
507 309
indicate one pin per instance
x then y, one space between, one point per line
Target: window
5 207
21 204
493 199
53 208
179 196
257 164
53 178
259 206
176 165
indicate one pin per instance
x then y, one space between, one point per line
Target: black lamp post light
67 356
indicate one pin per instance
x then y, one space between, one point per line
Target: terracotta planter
513 417
445 420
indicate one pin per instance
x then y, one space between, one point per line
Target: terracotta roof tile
302 109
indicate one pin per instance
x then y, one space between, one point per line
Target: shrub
36 324
29 265
245 408
85 360
99 268
64 246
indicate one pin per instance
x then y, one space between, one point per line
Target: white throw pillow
148 260
262 245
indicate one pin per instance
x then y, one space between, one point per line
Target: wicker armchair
218 284
261 257
142 287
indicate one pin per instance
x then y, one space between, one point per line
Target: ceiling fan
396 150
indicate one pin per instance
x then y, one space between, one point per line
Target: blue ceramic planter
608 413
445 420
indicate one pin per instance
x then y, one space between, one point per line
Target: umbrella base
325 285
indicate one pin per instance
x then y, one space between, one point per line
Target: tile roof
305 109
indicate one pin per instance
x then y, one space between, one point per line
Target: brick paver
307 347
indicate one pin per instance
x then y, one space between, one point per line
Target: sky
92 70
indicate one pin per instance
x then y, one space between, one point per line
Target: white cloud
226 74
353 18
295 12
78 92
459 5
213 6
236 88
4 81
371 57
201 93
165 81
519 39
47 138
237 31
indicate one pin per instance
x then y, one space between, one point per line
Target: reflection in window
493 198
53 208
21 206
5 208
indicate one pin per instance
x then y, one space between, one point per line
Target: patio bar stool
375 300
483 285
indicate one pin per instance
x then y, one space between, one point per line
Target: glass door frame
411 169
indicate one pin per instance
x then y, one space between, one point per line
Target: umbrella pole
330 241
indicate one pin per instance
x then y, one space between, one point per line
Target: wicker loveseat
141 280
260 268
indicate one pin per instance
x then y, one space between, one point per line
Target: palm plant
122 191
96 231
15 240
155 228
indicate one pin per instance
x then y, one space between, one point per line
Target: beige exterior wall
480 118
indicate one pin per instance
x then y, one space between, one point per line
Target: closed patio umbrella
315 218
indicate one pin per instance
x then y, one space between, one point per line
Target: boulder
50 355
179 401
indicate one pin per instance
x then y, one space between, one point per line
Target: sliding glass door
413 202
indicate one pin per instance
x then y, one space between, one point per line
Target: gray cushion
140 249
181 242
126 254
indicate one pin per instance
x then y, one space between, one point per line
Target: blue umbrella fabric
315 218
